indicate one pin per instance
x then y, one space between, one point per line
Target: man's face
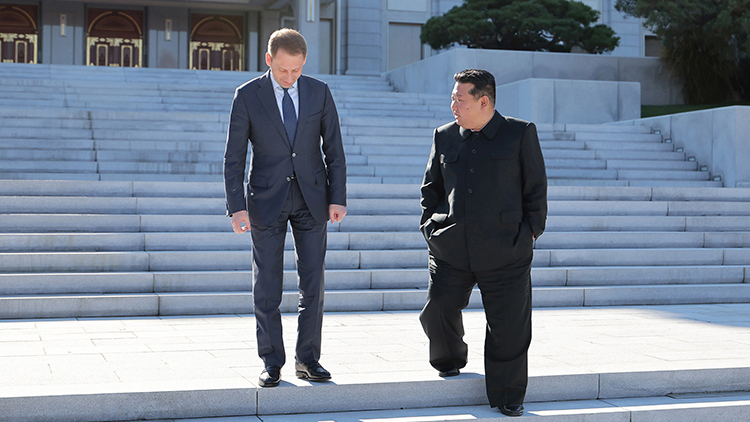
467 110
285 68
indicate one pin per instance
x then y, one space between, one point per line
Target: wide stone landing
583 363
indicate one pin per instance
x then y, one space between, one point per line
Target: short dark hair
288 40
483 81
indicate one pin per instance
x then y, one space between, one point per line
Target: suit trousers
506 296
310 241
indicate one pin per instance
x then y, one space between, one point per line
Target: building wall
364 48
630 30
368 37
168 48
60 47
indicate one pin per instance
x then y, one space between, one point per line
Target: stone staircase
73 248
111 205
67 122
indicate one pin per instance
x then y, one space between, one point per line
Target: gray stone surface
435 74
581 362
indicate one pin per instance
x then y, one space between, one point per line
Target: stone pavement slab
182 367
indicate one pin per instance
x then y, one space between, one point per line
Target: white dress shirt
279 92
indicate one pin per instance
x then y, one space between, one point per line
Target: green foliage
706 43
532 25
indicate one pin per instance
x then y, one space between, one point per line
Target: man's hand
336 213
240 222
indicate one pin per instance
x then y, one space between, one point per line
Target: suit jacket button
471 190
294 154
288 179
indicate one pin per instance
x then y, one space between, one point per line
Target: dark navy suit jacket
319 166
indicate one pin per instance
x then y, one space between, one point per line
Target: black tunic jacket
484 194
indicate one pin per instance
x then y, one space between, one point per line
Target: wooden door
18 33
216 42
115 38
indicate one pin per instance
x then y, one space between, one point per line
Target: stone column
269 22
56 47
168 47
364 46
307 13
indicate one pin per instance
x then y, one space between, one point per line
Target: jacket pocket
450 157
320 177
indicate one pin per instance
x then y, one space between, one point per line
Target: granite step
212 260
649 277
227 241
703 407
360 300
597 364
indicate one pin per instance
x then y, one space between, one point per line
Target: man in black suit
484 201
285 118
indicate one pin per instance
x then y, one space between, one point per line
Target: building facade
358 37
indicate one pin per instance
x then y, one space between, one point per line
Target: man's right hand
240 222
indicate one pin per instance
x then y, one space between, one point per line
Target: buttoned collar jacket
484 194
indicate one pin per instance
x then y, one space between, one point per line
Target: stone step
703 407
161 177
355 191
380 123
22 166
356 206
92 223
634 164
160 145
128 261
662 175
372 300
575 127
160 125
47 155
623 278
225 241
197 367
617 137
36 123
22 133
640 155
626 145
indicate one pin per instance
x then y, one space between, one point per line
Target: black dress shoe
312 371
512 410
270 377
449 373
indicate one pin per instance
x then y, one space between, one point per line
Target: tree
705 43
532 25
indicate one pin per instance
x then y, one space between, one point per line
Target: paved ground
150 354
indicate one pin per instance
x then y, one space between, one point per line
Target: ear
484 101
268 59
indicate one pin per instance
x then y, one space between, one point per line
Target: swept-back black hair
483 81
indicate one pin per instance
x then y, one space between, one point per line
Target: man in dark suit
484 201
283 116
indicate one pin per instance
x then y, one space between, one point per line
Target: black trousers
310 241
506 296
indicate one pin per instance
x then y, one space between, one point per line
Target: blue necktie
290 116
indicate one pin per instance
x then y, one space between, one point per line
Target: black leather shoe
512 410
449 373
270 377
312 371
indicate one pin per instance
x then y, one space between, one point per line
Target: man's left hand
336 213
